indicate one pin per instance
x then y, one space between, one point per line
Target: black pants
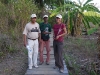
58 54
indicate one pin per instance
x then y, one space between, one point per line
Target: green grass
92 30
77 50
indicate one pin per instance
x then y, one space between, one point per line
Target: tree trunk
77 25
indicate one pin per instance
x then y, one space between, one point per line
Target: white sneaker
30 67
36 66
61 70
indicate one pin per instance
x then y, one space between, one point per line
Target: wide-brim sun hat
58 16
33 15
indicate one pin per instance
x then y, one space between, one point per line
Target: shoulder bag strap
59 30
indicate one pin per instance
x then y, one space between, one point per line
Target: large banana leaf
92 14
93 17
87 2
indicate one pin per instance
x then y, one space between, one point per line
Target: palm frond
80 3
91 13
84 20
91 8
87 2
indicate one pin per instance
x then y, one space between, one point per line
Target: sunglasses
45 17
57 18
33 18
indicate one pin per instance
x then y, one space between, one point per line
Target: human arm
25 36
39 35
25 39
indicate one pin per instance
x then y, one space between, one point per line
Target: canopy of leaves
50 3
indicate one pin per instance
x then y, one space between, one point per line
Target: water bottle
46 30
29 52
28 48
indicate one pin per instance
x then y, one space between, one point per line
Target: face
33 20
45 19
58 20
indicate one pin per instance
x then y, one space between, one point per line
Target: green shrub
1 54
14 14
7 45
91 31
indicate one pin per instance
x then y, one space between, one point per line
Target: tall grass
81 56
13 17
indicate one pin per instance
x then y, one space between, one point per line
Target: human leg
35 52
47 43
60 56
41 51
30 54
55 52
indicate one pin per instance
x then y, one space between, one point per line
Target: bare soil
14 63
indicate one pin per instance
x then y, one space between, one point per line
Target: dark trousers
58 54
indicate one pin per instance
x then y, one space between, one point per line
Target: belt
31 39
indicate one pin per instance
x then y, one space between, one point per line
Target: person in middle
45 28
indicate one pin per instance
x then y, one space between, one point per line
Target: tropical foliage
75 15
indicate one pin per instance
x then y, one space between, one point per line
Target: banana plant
78 14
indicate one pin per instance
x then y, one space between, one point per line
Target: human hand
45 32
25 44
58 37
40 40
